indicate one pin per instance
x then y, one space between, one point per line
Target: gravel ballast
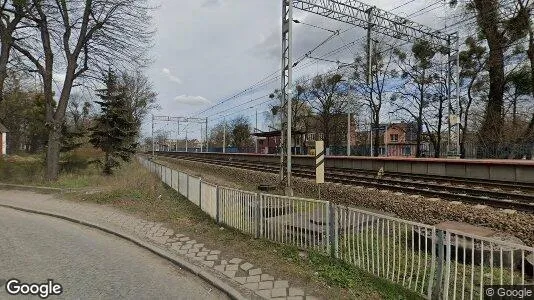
409 207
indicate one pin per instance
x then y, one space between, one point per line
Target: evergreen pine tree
115 129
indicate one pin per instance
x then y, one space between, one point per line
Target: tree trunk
437 149
530 53
107 165
420 119
491 131
376 141
52 154
4 59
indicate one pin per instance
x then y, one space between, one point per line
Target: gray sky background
207 50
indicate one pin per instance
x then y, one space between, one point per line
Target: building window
394 138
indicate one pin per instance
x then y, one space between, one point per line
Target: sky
208 50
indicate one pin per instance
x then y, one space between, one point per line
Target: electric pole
256 131
287 74
207 141
348 134
153 142
224 136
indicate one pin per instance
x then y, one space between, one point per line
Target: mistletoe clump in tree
115 129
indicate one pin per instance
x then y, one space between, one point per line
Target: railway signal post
319 165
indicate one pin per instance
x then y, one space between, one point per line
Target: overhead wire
269 79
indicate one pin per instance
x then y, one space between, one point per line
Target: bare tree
374 93
415 92
217 134
79 38
241 132
11 12
140 94
327 102
78 111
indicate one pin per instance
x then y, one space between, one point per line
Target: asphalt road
88 263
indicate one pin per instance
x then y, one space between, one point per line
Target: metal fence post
258 216
331 229
447 265
336 231
430 287
217 205
438 287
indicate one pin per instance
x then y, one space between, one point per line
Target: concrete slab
467 250
455 170
477 171
437 169
279 292
265 285
466 228
405 167
502 172
524 174
419 168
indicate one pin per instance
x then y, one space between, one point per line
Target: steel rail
494 198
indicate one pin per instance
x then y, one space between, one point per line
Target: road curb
205 275
33 188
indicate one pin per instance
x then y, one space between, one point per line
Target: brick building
309 131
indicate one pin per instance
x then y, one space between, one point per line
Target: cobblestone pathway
241 274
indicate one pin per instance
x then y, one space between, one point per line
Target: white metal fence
239 209
437 264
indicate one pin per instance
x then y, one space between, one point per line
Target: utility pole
458 112
287 74
201 141
177 135
369 77
387 138
256 131
186 140
348 134
152 134
371 134
453 140
207 141
224 136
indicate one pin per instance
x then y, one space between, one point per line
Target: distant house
307 132
3 139
394 139
400 139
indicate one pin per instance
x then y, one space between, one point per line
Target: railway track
495 194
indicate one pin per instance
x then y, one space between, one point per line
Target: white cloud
192 100
170 76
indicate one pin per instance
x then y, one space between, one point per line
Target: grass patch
22 169
135 190
78 169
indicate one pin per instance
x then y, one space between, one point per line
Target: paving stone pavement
241 273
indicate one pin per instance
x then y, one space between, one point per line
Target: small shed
3 139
